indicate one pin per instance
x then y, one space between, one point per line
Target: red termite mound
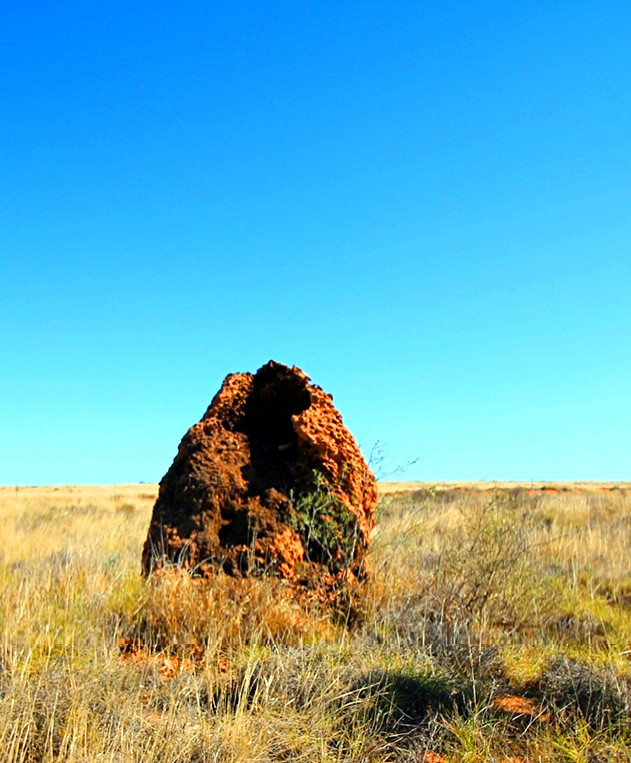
269 481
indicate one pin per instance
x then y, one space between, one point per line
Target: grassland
496 627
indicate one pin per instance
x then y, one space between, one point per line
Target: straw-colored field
496 627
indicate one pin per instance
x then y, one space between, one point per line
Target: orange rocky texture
169 665
524 707
229 499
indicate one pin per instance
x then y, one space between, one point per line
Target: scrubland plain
496 627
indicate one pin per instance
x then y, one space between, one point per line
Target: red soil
520 706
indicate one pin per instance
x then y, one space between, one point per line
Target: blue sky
424 205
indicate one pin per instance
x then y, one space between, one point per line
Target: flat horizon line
384 485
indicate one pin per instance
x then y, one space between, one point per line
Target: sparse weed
326 526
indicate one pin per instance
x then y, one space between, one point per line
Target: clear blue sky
424 205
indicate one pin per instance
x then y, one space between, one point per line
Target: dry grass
496 627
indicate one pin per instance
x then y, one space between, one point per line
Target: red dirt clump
269 481
520 706
133 651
